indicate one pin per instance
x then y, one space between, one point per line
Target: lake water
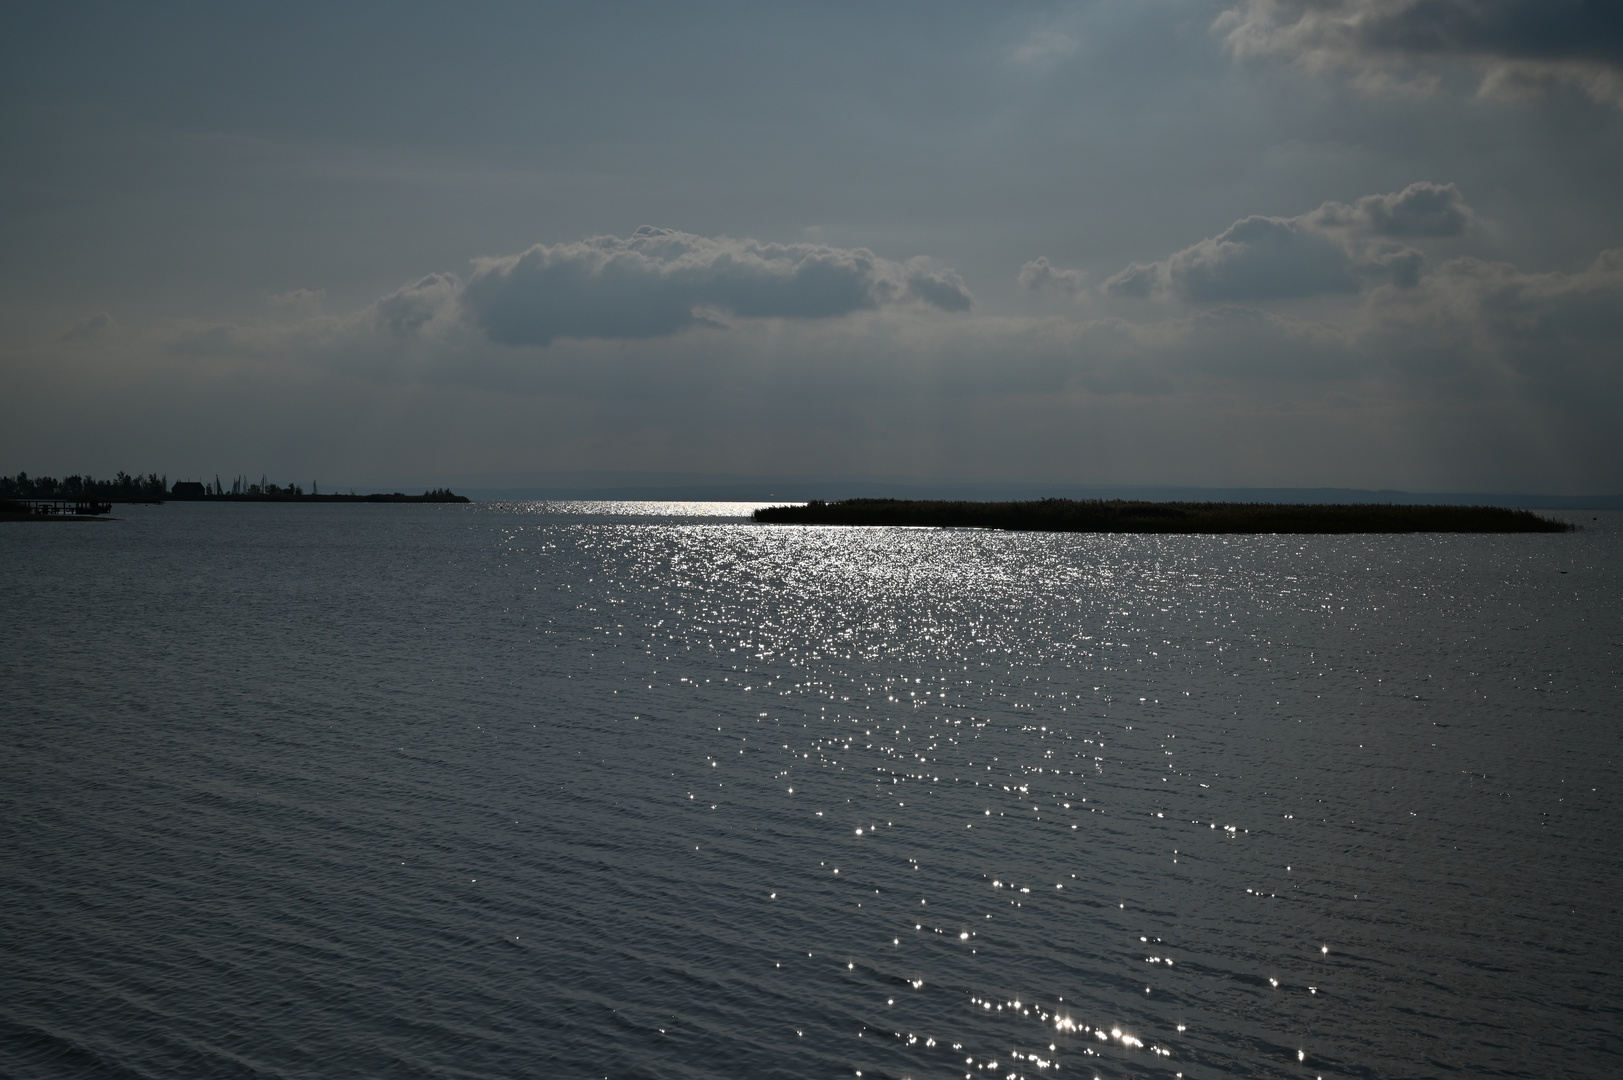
645 790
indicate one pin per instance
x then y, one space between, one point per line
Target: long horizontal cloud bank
1337 248
671 317
1518 47
658 282
1538 326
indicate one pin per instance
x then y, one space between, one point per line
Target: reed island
1132 516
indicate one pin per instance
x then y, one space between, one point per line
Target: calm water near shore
646 790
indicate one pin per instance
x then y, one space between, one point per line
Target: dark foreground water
530 791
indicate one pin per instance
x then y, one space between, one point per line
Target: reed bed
1132 516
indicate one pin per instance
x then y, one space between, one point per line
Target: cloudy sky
1367 243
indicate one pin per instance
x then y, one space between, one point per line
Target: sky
1299 243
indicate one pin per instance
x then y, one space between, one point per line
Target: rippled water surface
644 790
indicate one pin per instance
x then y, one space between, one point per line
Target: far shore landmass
1132 516
437 495
84 498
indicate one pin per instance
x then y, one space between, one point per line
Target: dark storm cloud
1522 29
659 281
1338 248
1518 45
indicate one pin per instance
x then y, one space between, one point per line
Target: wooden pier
62 506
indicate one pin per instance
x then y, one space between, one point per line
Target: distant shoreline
393 497
80 508
1132 516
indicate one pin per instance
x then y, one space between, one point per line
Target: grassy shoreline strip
1131 516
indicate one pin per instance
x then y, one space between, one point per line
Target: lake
647 790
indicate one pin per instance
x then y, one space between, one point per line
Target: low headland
438 495
1131 516
79 497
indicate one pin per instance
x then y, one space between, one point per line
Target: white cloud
657 282
1463 331
1421 209
938 288
1515 47
1337 248
1039 275
1465 321
428 301
1452 360
1539 326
